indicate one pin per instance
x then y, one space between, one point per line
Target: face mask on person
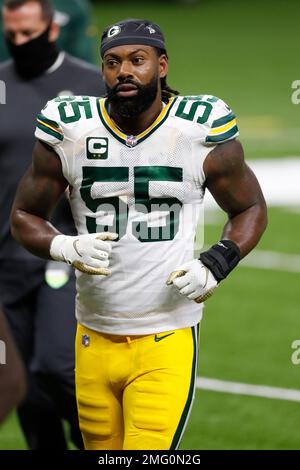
33 57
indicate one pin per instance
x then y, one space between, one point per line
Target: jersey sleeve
221 125
48 127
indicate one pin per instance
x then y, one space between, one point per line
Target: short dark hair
46 6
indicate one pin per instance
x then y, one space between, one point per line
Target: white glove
87 253
193 280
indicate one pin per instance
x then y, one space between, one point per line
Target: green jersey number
166 209
188 111
171 206
92 175
77 107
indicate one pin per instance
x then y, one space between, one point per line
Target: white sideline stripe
272 260
237 388
279 179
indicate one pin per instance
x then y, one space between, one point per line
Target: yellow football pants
135 392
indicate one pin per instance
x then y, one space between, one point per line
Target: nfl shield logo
131 141
85 340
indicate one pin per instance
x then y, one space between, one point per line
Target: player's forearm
34 233
89 253
247 227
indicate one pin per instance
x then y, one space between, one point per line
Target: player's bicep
42 184
229 179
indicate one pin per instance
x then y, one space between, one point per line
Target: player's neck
137 124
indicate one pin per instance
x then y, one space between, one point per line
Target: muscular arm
37 194
237 191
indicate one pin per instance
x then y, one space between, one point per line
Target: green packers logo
97 148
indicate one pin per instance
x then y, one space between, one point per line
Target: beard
135 105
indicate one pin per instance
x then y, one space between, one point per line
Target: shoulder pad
221 125
48 128
61 116
217 121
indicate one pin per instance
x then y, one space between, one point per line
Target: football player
138 163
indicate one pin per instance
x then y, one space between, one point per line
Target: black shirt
24 100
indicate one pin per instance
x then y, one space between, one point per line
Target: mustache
129 107
126 81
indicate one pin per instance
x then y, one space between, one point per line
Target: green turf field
246 53
246 337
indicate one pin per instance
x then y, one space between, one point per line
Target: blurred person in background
12 375
76 32
139 162
38 301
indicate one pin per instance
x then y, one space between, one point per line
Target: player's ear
163 65
54 32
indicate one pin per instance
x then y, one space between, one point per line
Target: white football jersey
149 189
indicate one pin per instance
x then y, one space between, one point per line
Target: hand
87 253
194 280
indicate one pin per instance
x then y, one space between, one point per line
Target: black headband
132 31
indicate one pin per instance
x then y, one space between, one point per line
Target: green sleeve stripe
49 131
226 135
41 117
223 120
